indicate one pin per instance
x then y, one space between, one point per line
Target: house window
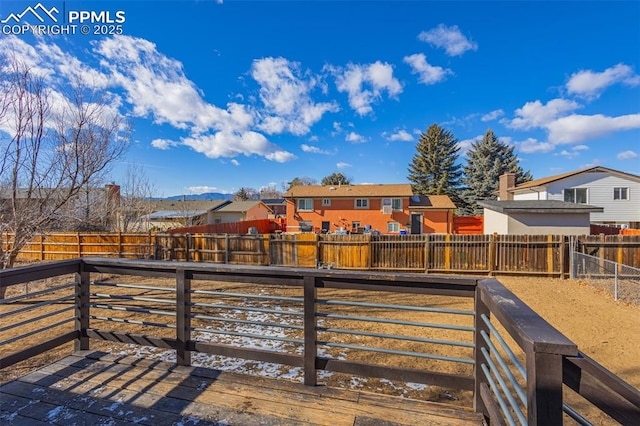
395 203
620 193
393 227
355 225
305 226
326 201
575 195
305 204
362 203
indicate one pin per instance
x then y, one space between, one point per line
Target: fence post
544 388
79 241
447 251
82 301
187 247
615 281
310 349
478 375
226 248
493 253
183 317
550 269
41 246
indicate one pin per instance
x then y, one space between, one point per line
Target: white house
618 193
536 217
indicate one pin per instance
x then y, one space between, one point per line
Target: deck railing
517 365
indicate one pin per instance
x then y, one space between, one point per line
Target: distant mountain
200 197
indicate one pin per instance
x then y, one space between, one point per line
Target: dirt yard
606 330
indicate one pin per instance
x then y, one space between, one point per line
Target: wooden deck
94 388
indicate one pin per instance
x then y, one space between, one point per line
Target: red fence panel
263 226
468 225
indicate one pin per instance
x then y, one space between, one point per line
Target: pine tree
433 170
486 161
336 179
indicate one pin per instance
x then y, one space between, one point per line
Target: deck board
95 388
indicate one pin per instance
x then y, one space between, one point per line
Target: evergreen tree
336 179
433 170
487 160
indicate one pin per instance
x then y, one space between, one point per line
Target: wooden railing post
480 309
310 349
82 310
183 317
544 388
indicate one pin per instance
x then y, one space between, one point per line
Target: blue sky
238 93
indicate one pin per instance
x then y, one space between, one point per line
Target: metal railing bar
496 393
40 330
395 307
249 296
575 415
396 352
128 321
507 349
246 308
35 293
392 321
37 305
127 309
397 337
505 368
137 298
31 320
140 287
503 385
253 336
241 321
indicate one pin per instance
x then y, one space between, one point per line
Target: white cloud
448 38
285 92
465 145
235 162
365 84
201 189
280 156
428 74
313 149
535 114
493 115
627 155
230 144
342 165
401 135
532 146
574 152
156 87
353 137
163 144
576 128
590 84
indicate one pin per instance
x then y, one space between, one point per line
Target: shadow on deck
100 389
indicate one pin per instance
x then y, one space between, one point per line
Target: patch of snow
416 386
37 390
54 412
113 407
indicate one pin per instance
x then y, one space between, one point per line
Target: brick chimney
507 182
112 192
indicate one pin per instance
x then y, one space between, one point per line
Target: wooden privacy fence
70 245
429 253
